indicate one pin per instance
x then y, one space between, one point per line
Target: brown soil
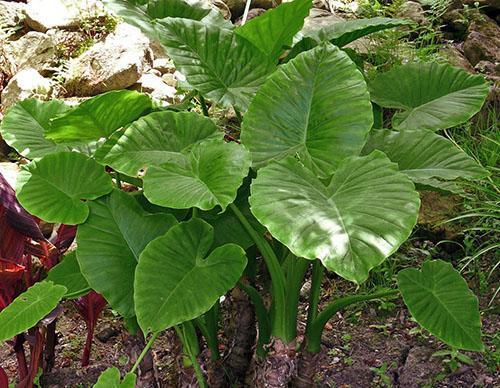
356 347
372 345
357 354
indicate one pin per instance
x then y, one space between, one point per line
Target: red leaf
15 215
10 273
4 380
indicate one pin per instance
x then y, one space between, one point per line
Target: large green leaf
432 96
24 125
68 274
177 279
145 16
53 187
109 245
423 154
157 138
343 33
441 302
98 116
160 9
316 106
133 14
275 29
218 63
208 176
29 308
361 217
110 378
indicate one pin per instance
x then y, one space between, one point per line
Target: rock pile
75 48
67 48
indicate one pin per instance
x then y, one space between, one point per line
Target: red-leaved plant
26 256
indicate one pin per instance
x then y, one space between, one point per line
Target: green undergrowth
480 221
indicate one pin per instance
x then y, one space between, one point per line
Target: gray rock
488 68
164 65
68 43
11 14
455 58
7 63
26 83
34 50
116 63
483 41
154 85
238 6
42 15
343 5
222 7
253 13
169 79
157 49
491 72
319 18
154 72
413 11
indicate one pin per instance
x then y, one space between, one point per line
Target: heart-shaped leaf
432 96
229 75
323 117
423 154
109 245
345 32
52 188
157 138
98 116
29 308
68 274
441 302
208 176
25 124
353 224
177 279
275 29
111 378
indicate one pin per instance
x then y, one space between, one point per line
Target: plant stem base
279 368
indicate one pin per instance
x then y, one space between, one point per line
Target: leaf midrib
330 200
204 62
416 109
431 291
35 303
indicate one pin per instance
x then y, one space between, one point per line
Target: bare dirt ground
370 345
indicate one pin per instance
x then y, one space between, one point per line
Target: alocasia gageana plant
332 190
